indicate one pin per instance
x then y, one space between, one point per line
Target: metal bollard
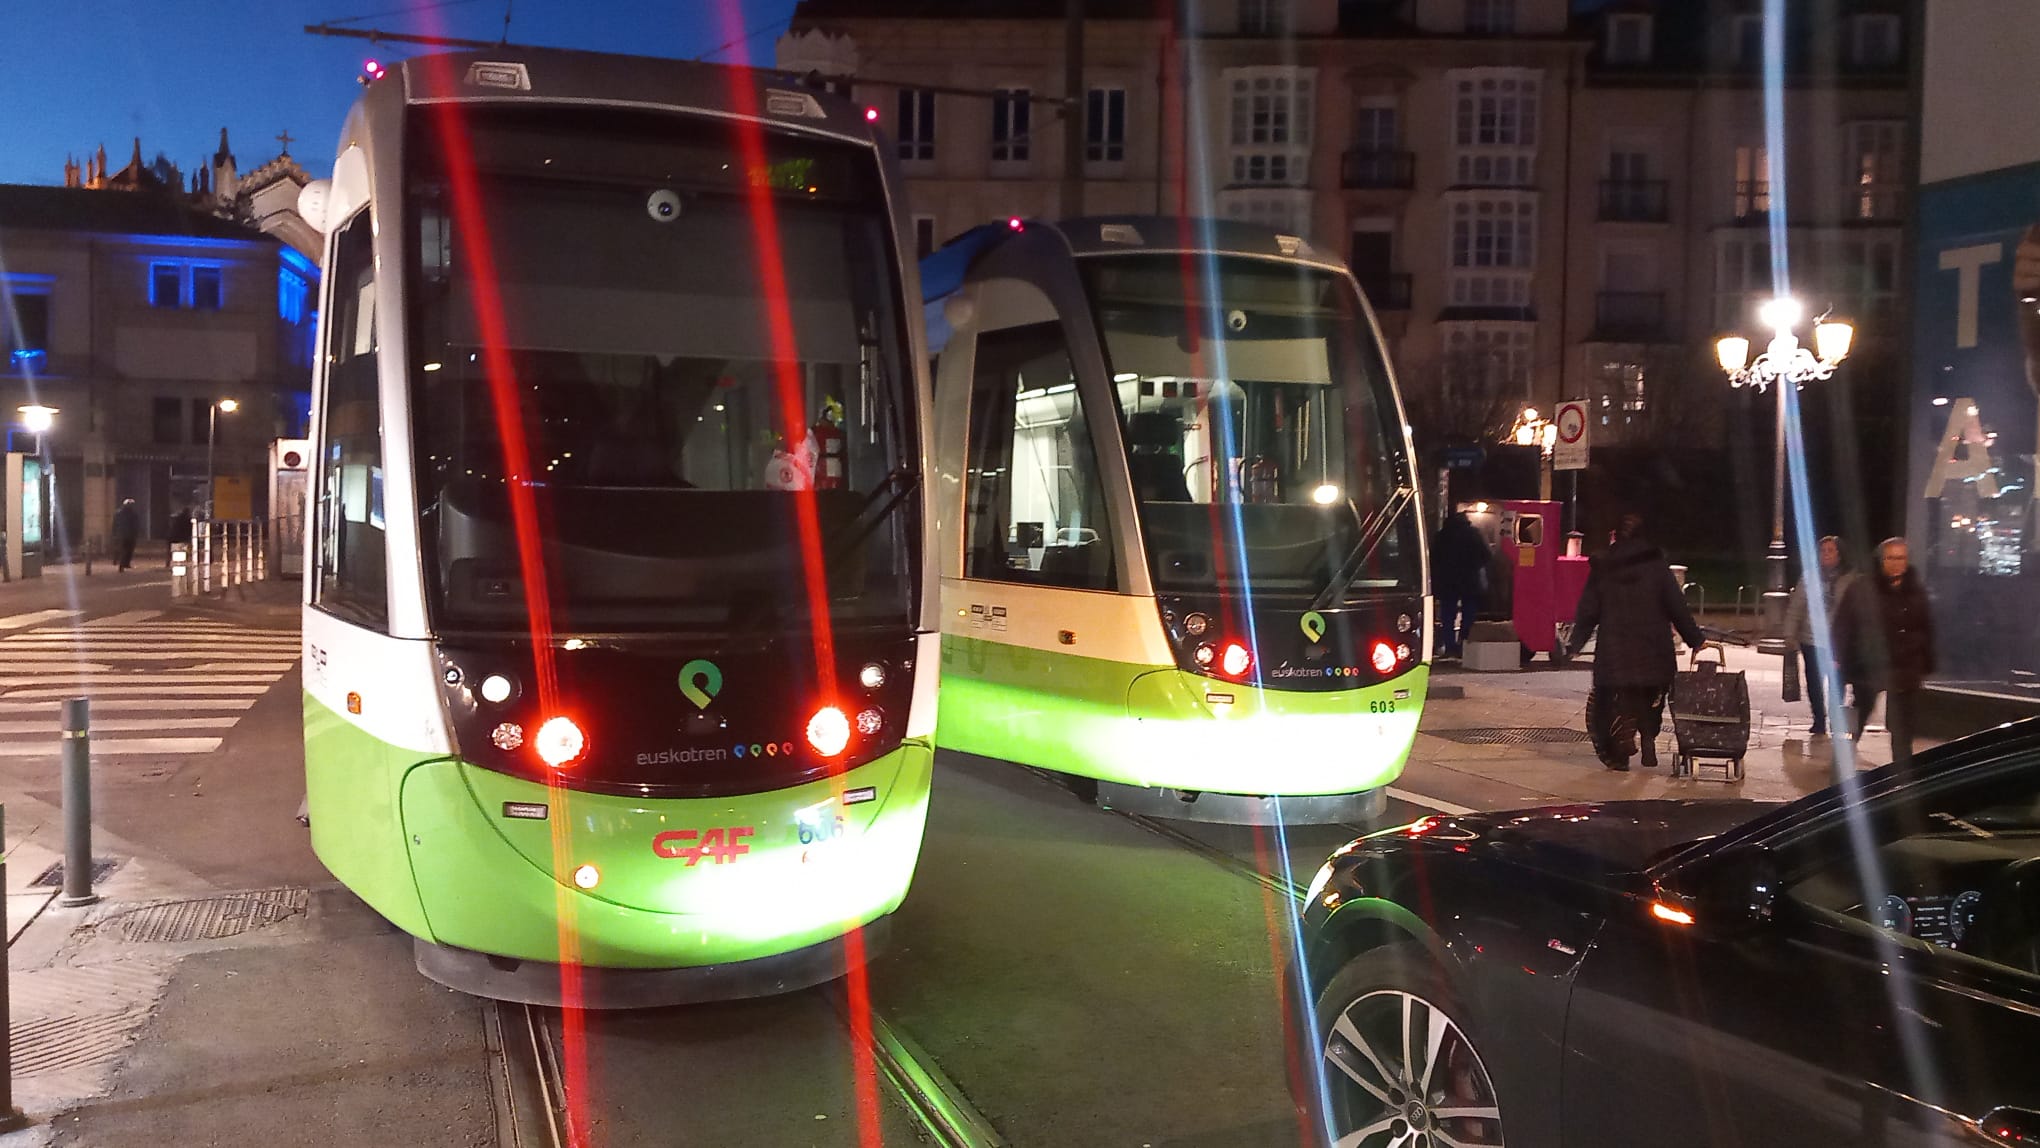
11 1118
77 805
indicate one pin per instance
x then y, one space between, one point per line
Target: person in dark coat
1835 579
127 531
1633 599
1459 570
1884 639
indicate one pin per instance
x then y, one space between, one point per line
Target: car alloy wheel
1402 1074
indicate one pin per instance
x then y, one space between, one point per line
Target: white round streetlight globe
1782 313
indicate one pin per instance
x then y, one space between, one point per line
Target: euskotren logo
710 677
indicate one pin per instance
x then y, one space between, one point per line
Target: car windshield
682 389
1261 433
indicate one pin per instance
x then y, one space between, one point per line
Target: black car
1860 967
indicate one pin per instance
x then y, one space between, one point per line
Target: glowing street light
1783 362
37 418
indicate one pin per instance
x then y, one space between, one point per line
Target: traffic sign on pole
1570 451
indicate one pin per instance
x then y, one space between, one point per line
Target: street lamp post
212 424
1783 361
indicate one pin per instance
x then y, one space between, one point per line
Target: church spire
135 161
223 155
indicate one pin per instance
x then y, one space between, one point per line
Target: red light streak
744 100
471 225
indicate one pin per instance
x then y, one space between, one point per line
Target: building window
1263 17
1284 211
1105 125
1742 272
1490 17
917 124
206 288
1493 250
1037 500
1875 181
291 292
1271 116
1375 128
1012 109
1620 394
1495 127
166 285
1746 40
1489 359
1862 277
924 236
27 321
1628 38
166 417
1752 182
1875 40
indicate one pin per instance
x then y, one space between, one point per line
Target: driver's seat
2007 928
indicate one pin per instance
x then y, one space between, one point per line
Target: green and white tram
619 674
1182 555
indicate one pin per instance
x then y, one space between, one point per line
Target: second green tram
1182 554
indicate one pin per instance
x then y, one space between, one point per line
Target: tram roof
944 270
564 74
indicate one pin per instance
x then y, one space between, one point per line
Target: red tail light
1235 660
1383 656
828 731
559 742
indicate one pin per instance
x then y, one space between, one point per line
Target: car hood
1610 837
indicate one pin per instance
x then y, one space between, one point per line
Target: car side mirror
1733 892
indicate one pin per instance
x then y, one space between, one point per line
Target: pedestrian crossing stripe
157 685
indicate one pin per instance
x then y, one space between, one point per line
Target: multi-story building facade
1541 203
132 314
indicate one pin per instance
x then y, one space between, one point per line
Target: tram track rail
529 1089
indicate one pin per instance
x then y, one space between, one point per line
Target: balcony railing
1363 168
1752 200
1387 291
1633 200
1629 316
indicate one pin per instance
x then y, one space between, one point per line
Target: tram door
1035 610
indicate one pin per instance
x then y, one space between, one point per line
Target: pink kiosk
1549 572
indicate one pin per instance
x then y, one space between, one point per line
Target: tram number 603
723 845
1380 707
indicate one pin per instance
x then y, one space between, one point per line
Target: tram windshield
1261 430
686 371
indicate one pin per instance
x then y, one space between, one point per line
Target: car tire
1365 1086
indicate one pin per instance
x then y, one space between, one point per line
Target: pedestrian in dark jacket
1884 639
1459 569
1635 602
127 531
1835 579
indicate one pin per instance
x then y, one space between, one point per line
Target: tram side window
1036 505
352 575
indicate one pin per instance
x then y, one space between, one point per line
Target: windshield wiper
1372 532
762 610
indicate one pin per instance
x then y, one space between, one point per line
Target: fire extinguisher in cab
830 460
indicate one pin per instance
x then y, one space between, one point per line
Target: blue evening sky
78 73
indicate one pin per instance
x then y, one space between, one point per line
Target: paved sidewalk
1546 759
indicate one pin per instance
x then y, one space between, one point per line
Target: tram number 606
1380 707
722 845
821 830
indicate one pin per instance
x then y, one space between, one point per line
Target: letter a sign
1569 452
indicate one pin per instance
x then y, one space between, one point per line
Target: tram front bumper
1293 743
621 882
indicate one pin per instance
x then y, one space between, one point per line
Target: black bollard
77 806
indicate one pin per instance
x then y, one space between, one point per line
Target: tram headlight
870 721
871 676
828 731
1325 494
1195 625
587 876
1235 660
1383 656
559 742
1206 654
497 689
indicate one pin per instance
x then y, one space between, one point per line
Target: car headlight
1317 884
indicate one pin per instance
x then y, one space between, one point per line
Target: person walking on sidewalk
1835 578
1459 571
1884 635
127 530
1632 597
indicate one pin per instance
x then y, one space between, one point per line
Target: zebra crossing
159 685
